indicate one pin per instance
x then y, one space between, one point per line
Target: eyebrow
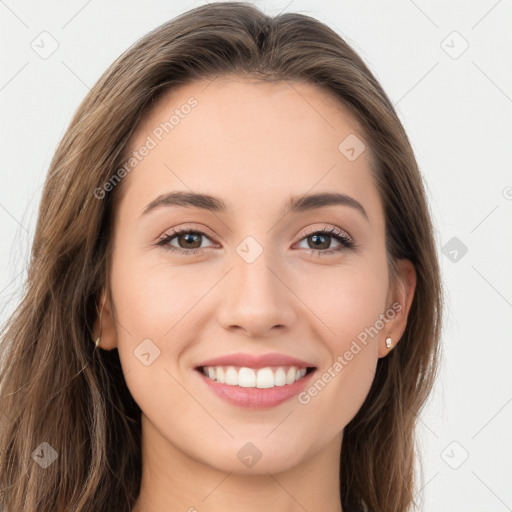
215 204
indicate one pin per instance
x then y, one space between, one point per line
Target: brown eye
188 241
320 241
191 240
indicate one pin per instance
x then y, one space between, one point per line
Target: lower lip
257 398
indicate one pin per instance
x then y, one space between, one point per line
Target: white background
458 114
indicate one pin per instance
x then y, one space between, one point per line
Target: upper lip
256 361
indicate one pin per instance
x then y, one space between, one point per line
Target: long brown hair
56 388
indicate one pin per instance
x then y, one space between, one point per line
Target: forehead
239 138
222 103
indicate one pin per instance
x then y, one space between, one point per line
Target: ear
399 301
107 329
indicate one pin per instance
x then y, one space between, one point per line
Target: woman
280 361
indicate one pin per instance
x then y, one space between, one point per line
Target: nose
258 298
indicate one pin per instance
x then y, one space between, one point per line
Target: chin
246 458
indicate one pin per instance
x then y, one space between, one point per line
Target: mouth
261 378
255 388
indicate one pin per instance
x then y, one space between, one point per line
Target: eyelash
345 241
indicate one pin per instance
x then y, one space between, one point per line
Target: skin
254 145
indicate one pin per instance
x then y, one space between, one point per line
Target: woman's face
258 280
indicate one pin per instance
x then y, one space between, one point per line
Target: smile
253 388
262 378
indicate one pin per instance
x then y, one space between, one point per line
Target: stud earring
97 342
388 342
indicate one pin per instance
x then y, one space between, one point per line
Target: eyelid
327 230
305 232
188 227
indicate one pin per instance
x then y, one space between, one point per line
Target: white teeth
255 378
231 376
265 378
279 377
246 377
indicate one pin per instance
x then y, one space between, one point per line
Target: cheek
154 308
347 299
351 309
152 298
337 393
349 302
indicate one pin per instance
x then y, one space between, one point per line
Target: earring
97 342
388 342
